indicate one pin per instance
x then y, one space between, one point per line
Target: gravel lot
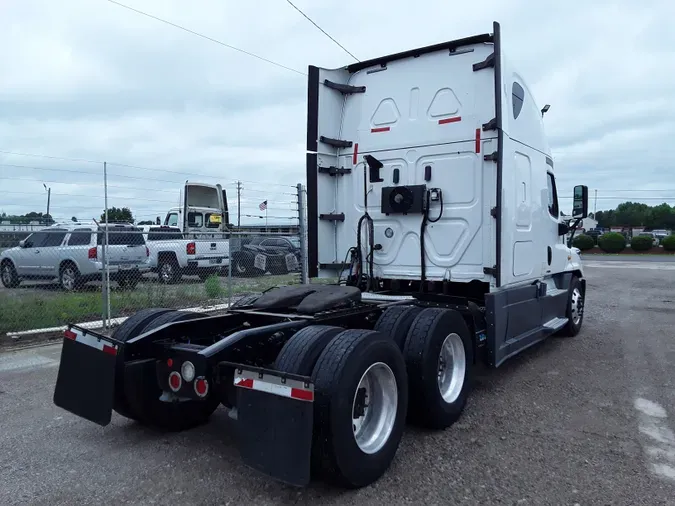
587 420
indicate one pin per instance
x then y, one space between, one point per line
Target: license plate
215 261
86 379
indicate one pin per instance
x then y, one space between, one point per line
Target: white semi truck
432 197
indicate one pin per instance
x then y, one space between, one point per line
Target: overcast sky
90 80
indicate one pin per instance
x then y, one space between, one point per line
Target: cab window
552 196
172 220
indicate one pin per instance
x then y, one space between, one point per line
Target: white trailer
432 197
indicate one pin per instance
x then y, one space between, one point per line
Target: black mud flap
86 379
274 423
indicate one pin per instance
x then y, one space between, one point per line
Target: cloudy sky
92 81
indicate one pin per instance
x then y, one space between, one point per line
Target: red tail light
147 251
201 387
191 248
175 381
93 255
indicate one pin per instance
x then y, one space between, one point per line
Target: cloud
91 80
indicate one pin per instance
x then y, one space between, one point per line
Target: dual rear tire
415 365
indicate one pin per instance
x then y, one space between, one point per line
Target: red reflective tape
70 334
355 158
449 120
381 129
303 395
246 383
110 350
477 140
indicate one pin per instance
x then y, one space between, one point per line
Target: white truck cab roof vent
345 89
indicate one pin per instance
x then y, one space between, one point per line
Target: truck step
345 89
334 171
555 291
556 323
336 143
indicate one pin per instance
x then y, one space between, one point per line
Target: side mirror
563 228
580 204
22 243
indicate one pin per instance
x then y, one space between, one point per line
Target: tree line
635 214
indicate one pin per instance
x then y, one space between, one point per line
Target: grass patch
26 309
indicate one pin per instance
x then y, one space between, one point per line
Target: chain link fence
178 254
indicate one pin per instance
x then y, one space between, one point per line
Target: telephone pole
49 196
595 205
238 204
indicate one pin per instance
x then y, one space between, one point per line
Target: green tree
117 215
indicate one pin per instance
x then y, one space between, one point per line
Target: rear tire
168 271
132 327
439 356
10 278
301 352
575 309
396 321
69 277
354 452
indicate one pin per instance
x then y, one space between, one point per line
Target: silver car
72 253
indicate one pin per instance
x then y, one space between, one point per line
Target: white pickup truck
172 256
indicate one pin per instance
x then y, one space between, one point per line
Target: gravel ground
587 420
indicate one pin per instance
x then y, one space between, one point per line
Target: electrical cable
206 37
321 29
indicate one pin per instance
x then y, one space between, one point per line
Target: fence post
104 276
304 278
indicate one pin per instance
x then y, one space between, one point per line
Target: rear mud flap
274 424
86 380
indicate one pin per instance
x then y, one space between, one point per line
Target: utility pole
49 196
238 204
595 205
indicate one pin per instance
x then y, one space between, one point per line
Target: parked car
655 239
660 234
72 253
260 254
172 256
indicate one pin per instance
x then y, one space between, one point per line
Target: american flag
263 206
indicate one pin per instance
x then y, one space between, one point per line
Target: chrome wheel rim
577 308
451 368
68 278
374 408
166 272
6 275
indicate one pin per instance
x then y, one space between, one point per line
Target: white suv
72 253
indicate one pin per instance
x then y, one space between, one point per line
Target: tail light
175 381
191 248
201 387
147 251
93 254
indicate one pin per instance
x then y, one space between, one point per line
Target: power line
206 37
67 159
322 30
